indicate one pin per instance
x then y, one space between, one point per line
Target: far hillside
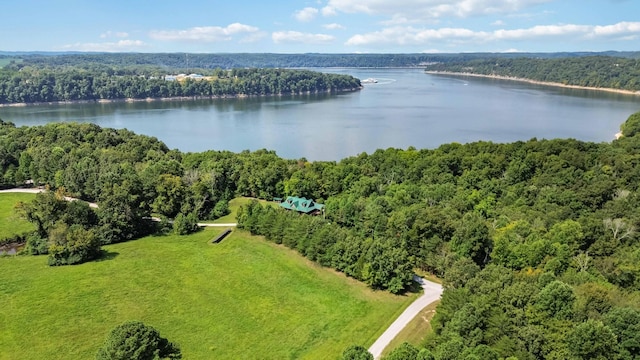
271 60
590 71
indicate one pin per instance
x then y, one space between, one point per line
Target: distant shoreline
536 82
173 98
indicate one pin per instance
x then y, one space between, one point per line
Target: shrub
185 224
72 245
36 245
134 340
356 352
221 209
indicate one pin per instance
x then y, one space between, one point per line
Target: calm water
405 108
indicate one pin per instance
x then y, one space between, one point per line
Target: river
406 107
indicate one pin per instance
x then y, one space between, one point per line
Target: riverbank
175 98
535 82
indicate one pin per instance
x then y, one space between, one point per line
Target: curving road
432 292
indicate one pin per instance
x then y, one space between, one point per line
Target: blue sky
323 26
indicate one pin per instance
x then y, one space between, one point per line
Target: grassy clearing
244 298
10 222
234 205
6 61
416 331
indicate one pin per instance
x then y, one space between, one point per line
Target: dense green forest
591 71
536 240
20 83
270 60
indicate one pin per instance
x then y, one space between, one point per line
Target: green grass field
10 222
234 205
244 298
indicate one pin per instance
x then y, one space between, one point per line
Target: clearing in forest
243 298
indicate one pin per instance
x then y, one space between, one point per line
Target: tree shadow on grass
106 255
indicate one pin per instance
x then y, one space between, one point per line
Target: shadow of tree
106 255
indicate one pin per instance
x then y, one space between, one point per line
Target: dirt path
432 292
39 190
95 206
218 225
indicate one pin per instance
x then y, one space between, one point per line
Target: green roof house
306 206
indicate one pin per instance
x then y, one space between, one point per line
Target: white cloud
299 37
530 16
204 33
305 15
119 46
253 37
498 23
414 10
398 19
541 31
621 28
403 35
329 11
118 34
333 26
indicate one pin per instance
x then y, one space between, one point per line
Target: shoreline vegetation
41 85
175 98
534 82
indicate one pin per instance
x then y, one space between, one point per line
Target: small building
302 205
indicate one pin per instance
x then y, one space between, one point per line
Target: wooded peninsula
21 84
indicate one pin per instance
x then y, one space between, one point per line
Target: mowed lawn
244 298
234 205
10 222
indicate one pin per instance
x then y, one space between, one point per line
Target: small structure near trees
221 236
302 205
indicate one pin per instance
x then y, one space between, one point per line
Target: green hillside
241 299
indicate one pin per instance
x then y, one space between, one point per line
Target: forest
21 83
536 241
590 71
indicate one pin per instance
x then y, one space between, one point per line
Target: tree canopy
133 340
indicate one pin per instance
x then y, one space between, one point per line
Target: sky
320 26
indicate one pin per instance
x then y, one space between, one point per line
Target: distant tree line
270 60
536 241
25 84
590 71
